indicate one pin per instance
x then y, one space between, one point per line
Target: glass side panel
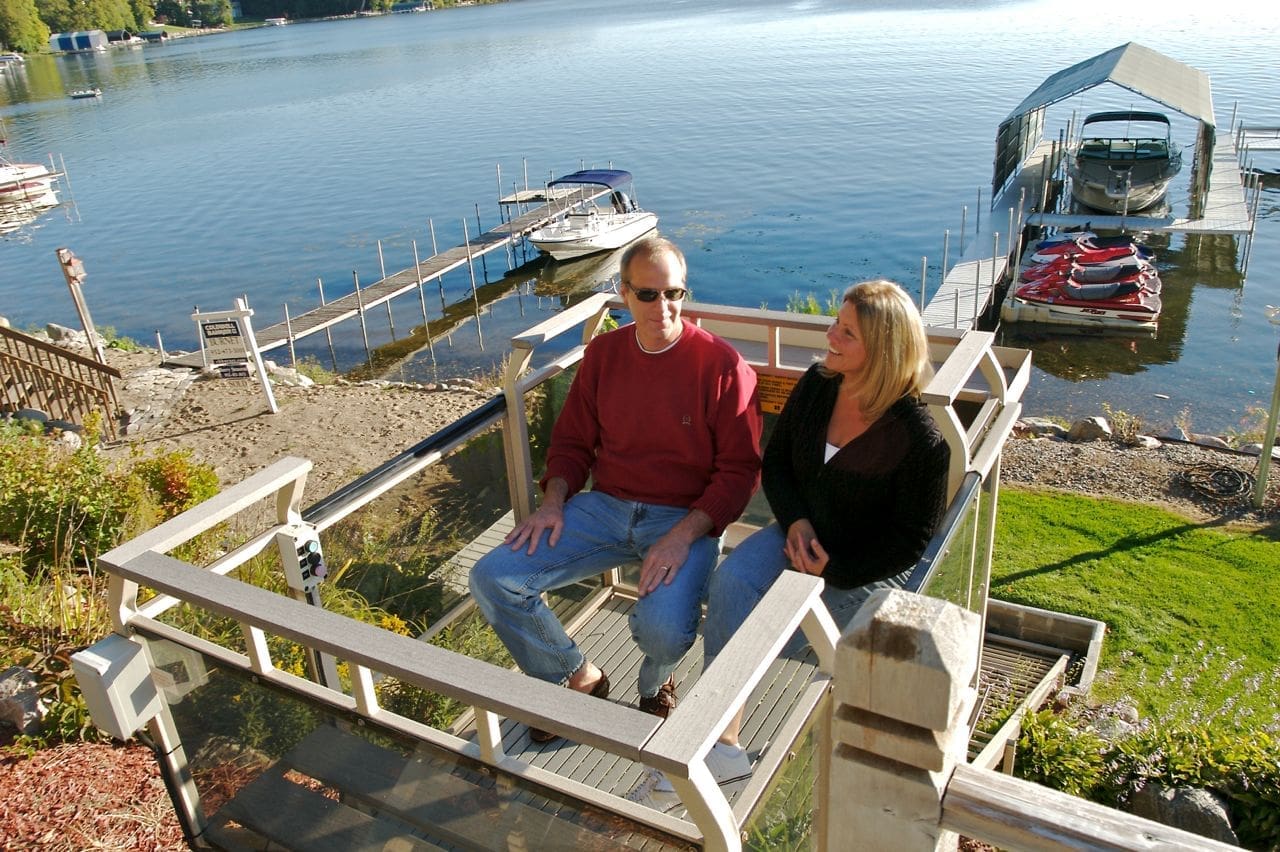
270 767
784 819
958 573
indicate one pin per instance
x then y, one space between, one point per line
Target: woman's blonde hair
893 336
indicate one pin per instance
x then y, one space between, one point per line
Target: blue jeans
746 574
600 532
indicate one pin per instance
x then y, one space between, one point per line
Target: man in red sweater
663 417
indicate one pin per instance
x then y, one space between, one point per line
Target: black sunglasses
646 295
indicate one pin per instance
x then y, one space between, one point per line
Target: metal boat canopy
1132 66
612 178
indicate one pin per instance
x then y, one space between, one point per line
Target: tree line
25 25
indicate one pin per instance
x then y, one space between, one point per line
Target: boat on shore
1124 161
587 227
80 94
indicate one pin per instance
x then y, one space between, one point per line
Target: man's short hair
652 248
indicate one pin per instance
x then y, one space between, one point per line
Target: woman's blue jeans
746 574
600 532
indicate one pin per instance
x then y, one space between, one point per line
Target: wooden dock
548 206
969 286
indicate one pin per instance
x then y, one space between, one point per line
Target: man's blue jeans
600 532
746 574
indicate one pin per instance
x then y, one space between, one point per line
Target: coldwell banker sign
227 343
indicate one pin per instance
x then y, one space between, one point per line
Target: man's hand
804 550
667 555
549 516
662 562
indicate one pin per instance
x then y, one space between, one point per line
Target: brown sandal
600 690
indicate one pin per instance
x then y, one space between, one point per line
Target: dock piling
484 266
422 300
288 333
475 296
364 329
328 333
382 268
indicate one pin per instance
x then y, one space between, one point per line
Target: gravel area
1203 483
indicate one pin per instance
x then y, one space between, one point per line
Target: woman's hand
804 550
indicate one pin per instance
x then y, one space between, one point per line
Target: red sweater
678 428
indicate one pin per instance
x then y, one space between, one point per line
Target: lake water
788 147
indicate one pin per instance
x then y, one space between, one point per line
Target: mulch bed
86 796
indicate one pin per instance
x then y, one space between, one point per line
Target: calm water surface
788 147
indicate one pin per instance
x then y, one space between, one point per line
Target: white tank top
831 450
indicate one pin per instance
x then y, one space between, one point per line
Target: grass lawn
1193 630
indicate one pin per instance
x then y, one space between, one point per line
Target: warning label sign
773 392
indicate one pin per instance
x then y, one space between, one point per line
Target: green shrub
1058 754
60 509
809 304
311 367
1065 753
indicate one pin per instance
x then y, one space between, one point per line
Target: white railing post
903 693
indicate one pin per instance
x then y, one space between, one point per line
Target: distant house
153 36
78 42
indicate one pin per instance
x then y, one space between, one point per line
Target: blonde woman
855 473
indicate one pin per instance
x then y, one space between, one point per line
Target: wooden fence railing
66 386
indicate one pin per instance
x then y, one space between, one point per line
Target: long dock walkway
549 207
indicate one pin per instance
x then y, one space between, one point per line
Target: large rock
19 700
1210 441
1201 812
1089 429
1038 426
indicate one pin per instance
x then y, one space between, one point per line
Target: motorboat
588 227
23 190
80 94
23 182
1123 161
